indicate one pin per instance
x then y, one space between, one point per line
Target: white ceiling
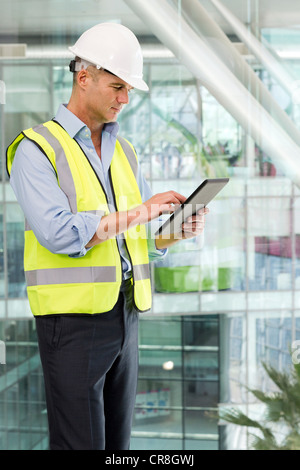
71 17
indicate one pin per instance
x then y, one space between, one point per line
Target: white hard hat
113 47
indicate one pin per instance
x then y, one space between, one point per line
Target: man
86 259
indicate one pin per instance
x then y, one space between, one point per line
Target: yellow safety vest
58 283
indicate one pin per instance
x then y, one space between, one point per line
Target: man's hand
191 227
161 203
118 222
194 225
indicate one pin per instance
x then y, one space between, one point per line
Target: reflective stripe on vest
81 275
90 283
74 275
66 181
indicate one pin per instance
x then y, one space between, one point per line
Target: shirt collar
72 124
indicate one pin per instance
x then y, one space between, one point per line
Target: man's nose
123 96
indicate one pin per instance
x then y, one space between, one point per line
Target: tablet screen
207 190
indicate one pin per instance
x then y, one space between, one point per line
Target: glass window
223 303
201 423
160 362
155 331
2 272
270 246
199 331
28 97
15 250
22 398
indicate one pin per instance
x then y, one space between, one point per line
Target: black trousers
90 366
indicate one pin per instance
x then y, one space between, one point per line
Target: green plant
281 408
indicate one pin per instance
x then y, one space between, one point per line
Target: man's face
105 96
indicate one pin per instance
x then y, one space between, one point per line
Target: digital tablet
207 190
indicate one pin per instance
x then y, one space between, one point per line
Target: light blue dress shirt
45 205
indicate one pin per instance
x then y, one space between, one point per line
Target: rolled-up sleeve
45 205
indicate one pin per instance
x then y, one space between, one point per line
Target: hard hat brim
138 83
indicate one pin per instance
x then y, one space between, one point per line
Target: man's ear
82 77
